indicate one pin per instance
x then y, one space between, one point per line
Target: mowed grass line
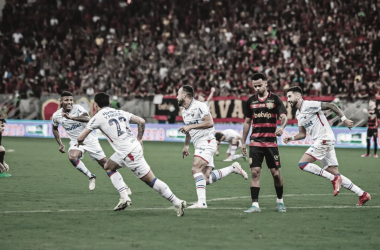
43 179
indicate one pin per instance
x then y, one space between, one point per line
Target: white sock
78 164
280 200
347 183
256 204
163 189
200 185
233 149
118 183
218 174
314 169
237 157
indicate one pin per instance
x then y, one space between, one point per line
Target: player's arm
207 122
82 136
246 128
84 117
284 121
140 125
211 94
301 135
338 111
185 151
58 139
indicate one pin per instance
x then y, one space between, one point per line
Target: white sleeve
203 110
127 115
54 121
93 123
312 106
81 110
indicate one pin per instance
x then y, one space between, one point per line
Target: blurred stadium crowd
329 48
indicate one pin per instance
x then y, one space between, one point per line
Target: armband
343 118
293 138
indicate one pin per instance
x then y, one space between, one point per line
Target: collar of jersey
269 94
301 105
191 103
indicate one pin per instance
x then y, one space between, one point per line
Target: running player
373 125
3 166
234 140
261 112
115 125
312 120
200 128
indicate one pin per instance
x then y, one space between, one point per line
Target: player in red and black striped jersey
373 125
3 166
261 113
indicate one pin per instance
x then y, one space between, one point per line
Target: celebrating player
262 110
115 125
3 166
234 140
373 125
73 118
312 120
200 128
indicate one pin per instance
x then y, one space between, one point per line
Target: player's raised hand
349 123
184 129
62 148
185 152
287 140
244 149
66 115
217 153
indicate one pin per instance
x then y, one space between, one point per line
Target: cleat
376 156
123 204
337 183
181 208
253 209
366 155
129 191
91 185
228 159
281 207
196 205
363 199
238 170
5 175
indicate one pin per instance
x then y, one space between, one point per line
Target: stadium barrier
345 138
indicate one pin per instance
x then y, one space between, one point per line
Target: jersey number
112 121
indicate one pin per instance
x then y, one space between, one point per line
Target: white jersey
115 126
193 115
230 134
311 117
73 128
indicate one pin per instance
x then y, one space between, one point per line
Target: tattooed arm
338 111
140 125
185 151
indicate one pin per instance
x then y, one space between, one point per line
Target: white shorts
323 150
206 149
92 148
135 161
229 148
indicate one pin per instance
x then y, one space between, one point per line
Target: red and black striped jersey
373 116
264 115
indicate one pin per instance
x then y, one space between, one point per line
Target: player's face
292 99
181 97
260 86
67 103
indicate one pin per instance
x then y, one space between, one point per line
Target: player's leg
375 144
228 153
112 165
3 166
330 164
272 158
256 157
197 169
238 145
369 135
74 156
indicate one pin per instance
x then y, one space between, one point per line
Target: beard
180 102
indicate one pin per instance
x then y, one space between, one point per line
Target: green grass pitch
46 204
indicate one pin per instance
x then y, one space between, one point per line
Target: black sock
368 145
2 153
255 194
375 141
279 191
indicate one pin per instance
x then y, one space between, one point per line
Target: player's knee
2 149
302 165
73 158
255 174
276 175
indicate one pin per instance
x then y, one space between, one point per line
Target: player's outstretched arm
58 139
211 94
140 125
301 135
246 128
82 136
338 111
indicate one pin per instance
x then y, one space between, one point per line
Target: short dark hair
66 93
218 136
188 90
259 76
295 89
102 99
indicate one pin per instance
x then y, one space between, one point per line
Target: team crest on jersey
270 105
276 157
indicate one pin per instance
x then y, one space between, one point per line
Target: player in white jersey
234 140
73 118
115 125
312 120
200 128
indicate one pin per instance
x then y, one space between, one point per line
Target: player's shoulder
57 113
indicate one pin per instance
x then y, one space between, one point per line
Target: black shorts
371 132
257 154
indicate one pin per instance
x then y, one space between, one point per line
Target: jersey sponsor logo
263 115
308 124
313 107
194 122
75 126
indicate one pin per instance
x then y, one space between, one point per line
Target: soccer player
3 166
115 125
373 124
234 140
73 118
261 112
312 120
200 128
